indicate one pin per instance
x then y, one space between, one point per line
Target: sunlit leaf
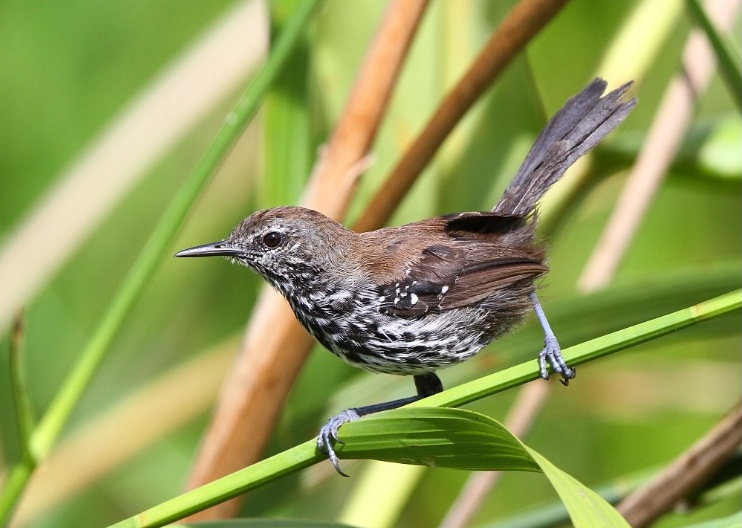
733 521
437 437
264 523
461 439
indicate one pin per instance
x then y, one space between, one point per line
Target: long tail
575 129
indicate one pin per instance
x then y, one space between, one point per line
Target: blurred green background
71 68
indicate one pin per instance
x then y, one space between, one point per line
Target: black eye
272 239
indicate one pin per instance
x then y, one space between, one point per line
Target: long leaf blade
462 439
437 437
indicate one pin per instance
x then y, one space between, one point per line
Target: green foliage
72 66
433 437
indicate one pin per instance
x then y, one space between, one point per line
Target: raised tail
575 129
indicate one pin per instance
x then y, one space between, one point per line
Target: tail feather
581 124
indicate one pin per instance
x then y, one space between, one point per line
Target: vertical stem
19 387
21 471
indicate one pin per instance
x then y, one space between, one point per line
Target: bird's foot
328 435
552 353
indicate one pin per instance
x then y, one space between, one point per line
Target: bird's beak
213 249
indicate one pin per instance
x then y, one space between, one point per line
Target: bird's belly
393 345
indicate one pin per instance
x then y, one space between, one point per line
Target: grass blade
729 63
306 454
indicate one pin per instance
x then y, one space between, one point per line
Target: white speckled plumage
415 298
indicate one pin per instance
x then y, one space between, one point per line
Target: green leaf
461 439
733 521
585 507
726 56
437 437
434 450
264 523
286 120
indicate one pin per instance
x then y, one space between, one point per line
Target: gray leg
426 385
551 352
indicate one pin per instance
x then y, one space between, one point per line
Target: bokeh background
74 71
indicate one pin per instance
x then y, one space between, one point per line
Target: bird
413 299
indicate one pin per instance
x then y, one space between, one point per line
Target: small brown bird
412 299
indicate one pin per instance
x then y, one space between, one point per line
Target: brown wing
454 275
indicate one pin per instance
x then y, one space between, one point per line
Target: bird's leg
551 352
426 384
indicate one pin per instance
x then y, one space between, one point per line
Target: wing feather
456 275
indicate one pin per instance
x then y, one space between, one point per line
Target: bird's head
287 246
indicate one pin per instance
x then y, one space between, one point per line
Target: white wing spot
413 298
444 290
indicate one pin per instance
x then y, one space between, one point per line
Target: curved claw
328 435
552 353
568 375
